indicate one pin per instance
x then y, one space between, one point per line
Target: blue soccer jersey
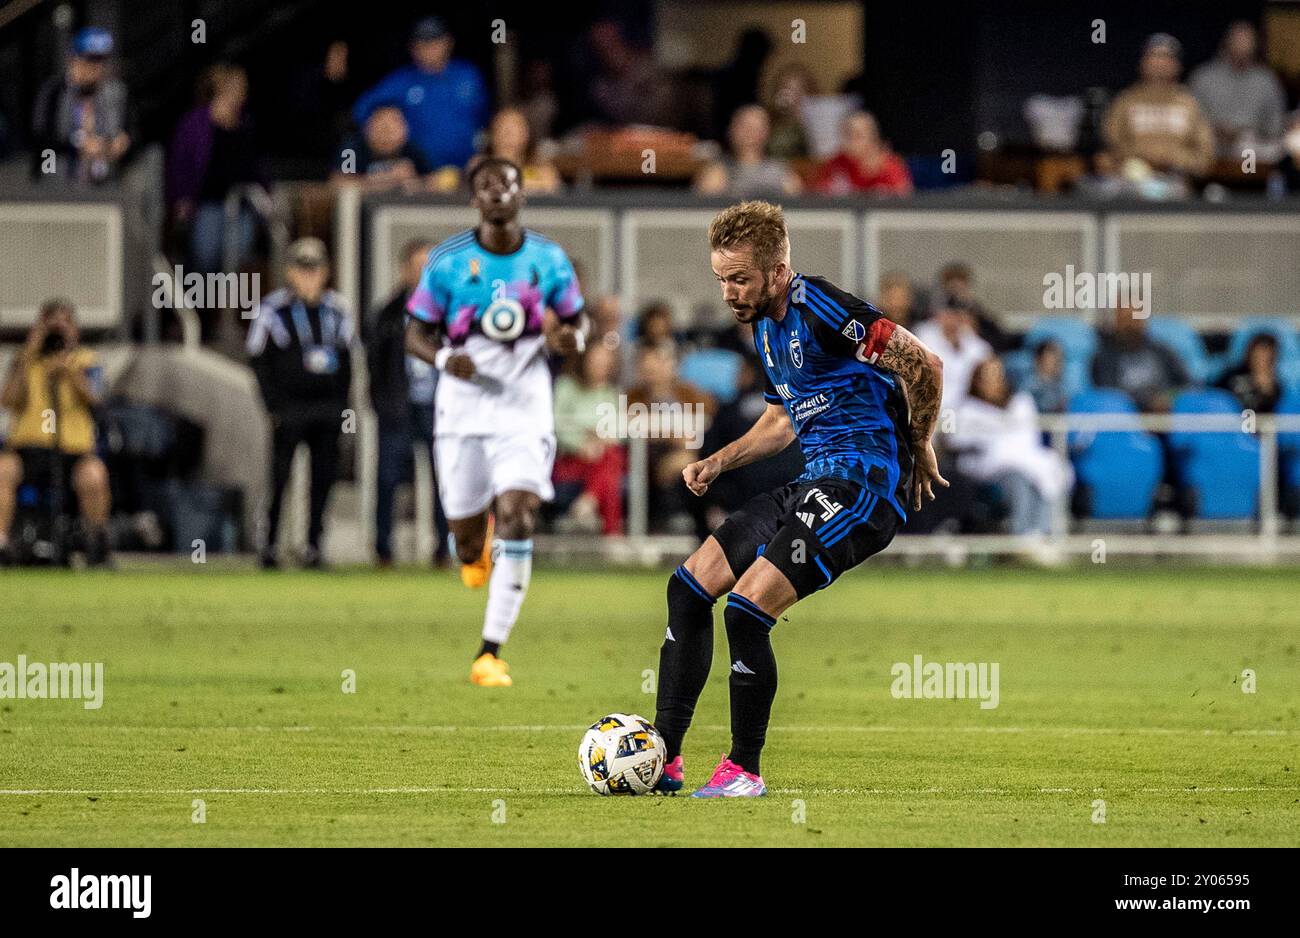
850 416
466 288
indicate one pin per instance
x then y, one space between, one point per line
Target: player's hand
564 339
925 470
699 475
461 366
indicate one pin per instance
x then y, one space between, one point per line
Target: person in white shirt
950 333
998 441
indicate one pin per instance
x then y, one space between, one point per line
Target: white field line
448 790
578 728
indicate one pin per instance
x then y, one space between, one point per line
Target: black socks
753 679
684 657
489 648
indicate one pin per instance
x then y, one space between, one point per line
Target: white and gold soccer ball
622 754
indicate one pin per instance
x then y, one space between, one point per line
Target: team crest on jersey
855 330
504 319
796 351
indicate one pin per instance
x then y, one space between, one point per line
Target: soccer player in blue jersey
861 395
489 302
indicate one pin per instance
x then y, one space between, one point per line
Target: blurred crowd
421 128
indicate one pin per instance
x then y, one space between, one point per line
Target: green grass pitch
1116 686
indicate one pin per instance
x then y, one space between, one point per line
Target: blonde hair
757 225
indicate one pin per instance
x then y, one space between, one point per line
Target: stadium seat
1077 339
713 370
1288 347
1219 469
1119 469
1288 447
1179 337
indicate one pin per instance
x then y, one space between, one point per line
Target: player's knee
469 549
709 567
516 522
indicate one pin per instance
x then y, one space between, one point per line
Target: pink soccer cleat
731 781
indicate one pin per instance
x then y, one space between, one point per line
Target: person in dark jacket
83 116
401 392
212 153
1131 361
299 348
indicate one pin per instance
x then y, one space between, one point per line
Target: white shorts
473 470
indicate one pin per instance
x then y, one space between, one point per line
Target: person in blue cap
444 100
83 116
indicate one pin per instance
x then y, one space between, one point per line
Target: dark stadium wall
1026 49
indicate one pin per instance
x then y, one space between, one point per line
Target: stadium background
945 86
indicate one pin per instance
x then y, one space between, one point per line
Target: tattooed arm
922 373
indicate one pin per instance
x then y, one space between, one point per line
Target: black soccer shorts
810 531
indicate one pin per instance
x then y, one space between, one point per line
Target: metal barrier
644 247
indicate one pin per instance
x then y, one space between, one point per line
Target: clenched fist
699 475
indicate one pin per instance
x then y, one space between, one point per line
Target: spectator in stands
537 99
864 164
736 83
588 457
1290 165
1046 385
83 115
51 392
1255 381
950 334
654 328
318 110
898 298
958 279
1130 361
300 349
628 86
401 392
443 99
658 383
748 172
1156 125
509 138
384 157
998 442
789 136
1241 98
213 153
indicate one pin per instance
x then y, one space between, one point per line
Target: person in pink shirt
865 163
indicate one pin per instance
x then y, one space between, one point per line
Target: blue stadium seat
1077 339
1221 469
1019 365
1288 346
713 370
1120 468
1288 443
1179 337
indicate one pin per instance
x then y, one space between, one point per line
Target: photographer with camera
51 391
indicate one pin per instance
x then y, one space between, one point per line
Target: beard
760 309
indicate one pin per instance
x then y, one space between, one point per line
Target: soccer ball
622 754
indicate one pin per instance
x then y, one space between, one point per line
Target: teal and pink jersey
463 281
